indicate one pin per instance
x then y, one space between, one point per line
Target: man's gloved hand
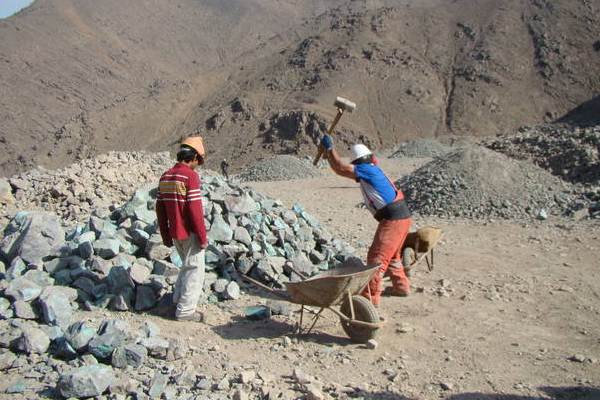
327 142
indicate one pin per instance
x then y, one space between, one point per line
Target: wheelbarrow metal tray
331 287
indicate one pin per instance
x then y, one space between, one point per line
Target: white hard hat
359 151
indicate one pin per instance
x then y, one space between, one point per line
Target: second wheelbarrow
337 287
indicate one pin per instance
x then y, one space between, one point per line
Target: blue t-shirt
374 176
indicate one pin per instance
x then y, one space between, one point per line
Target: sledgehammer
342 105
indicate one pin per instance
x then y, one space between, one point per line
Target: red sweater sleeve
195 211
163 222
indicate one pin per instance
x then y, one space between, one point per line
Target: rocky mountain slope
259 77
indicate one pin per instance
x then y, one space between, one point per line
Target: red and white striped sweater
179 205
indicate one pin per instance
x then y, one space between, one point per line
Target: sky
9 7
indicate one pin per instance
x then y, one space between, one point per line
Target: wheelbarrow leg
352 305
315 319
299 327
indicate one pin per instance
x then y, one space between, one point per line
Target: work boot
400 283
197 316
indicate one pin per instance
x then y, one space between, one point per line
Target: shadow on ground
242 328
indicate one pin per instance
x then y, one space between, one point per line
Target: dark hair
186 154
368 159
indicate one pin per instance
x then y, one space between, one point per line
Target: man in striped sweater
181 223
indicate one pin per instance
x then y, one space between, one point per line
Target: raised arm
335 162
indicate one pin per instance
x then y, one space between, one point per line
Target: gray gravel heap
475 182
570 153
279 168
420 148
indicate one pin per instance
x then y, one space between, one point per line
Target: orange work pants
385 252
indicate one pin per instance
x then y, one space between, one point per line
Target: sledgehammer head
344 104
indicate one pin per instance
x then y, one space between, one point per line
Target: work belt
393 211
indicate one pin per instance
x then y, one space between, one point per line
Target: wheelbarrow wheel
408 258
364 311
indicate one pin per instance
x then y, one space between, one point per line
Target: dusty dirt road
511 311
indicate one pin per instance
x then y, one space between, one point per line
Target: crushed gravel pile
571 153
421 148
279 168
73 192
475 182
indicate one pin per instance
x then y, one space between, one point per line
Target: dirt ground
502 315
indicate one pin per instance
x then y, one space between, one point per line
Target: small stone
232 291
224 384
33 340
372 344
577 358
446 386
157 347
247 376
24 310
314 393
257 313
240 394
178 349
79 335
204 384
405 328
6 360
158 385
132 355
23 289
300 377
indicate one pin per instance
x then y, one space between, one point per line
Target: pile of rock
75 191
279 168
570 153
475 182
420 148
117 260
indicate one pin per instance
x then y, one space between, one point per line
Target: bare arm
338 166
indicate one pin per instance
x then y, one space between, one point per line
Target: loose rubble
116 260
478 183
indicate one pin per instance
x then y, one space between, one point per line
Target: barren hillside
259 77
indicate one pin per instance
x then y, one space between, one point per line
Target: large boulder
86 381
34 236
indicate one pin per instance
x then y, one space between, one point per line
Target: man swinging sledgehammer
387 205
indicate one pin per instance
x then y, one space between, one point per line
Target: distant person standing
181 222
224 168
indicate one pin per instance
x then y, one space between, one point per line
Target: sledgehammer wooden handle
340 111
